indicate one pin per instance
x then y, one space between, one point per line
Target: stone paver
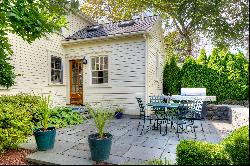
128 146
143 153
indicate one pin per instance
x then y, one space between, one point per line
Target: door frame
70 80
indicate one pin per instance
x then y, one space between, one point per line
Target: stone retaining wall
236 115
217 112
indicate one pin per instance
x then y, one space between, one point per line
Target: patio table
169 106
166 105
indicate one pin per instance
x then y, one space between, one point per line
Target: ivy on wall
223 74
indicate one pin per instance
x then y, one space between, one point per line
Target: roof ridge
113 22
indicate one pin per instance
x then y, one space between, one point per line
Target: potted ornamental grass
119 112
45 136
100 142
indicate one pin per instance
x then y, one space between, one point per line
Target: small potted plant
45 136
119 112
100 143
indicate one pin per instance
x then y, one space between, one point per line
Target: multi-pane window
56 70
99 69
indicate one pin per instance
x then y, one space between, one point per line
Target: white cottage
113 62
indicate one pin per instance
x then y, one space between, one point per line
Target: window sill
56 84
99 86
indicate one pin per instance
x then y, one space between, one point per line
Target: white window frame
91 77
55 54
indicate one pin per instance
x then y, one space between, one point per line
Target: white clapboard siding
126 71
32 62
155 48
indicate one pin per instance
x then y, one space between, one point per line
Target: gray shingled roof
135 25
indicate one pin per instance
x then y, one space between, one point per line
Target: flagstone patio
128 146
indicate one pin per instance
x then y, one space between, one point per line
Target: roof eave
139 33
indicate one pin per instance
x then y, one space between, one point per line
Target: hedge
223 74
233 150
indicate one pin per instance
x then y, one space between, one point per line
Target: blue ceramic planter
100 148
45 140
118 115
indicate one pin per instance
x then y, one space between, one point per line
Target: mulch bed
15 157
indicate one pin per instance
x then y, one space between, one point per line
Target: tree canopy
224 21
30 19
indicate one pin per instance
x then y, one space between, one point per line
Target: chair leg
202 127
166 130
142 129
138 126
160 128
194 133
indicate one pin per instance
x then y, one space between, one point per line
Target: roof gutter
77 41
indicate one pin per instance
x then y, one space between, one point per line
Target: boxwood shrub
190 152
15 126
233 150
237 146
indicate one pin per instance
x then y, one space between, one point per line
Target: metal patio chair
194 113
144 119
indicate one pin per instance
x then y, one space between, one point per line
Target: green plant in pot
45 136
119 112
100 143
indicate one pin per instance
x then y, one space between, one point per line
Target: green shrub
171 77
237 146
190 152
25 102
20 114
62 117
59 116
232 150
15 125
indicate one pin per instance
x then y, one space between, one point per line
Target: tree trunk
189 45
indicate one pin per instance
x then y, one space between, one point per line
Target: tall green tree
202 58
29 19
226 22
171 77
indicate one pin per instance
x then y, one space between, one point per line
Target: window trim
60 70
104 85
55 54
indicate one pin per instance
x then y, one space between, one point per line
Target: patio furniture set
166 112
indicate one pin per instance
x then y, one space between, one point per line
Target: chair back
140 103
156 99
197 107
184 108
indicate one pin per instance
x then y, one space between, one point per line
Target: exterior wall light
84 61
